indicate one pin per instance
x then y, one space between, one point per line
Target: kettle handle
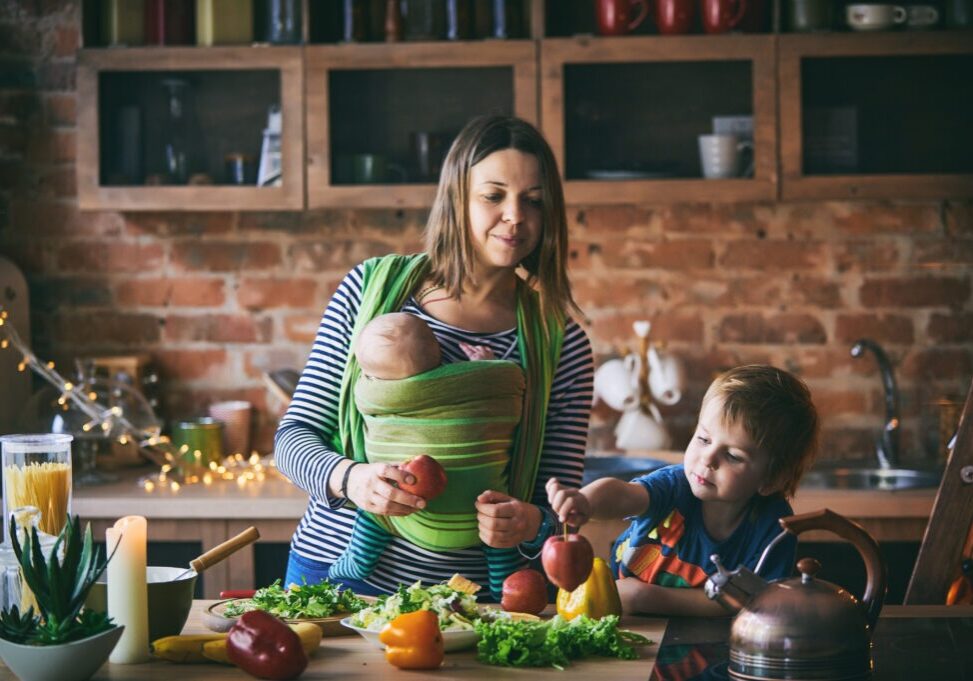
875 569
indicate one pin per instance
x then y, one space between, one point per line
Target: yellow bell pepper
597 597
413 641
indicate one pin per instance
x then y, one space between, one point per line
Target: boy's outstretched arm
651 599
608 498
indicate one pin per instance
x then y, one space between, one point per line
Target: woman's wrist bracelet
344 480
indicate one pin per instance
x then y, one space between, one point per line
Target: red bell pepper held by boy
264 647
414 641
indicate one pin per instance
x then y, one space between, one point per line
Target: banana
216 651
187 648
310 635
212 647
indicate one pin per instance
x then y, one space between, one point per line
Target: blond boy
756 435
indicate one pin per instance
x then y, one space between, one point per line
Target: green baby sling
409 417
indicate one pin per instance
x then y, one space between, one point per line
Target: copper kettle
802 628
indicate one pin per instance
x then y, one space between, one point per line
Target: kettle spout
733 590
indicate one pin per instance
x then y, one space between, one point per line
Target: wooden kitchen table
352 657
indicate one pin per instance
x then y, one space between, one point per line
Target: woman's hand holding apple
375 487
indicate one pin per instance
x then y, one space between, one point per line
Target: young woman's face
722 463
505 208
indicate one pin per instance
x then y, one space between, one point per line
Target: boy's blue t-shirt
668 544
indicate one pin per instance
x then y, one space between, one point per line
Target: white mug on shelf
720 155
875 17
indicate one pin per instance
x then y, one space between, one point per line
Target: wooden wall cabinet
623 114
366 104
884 115
231 89
834 116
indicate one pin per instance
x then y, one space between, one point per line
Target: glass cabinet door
877 116
381 117
661 119
191 129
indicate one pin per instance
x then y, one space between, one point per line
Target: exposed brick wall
217 298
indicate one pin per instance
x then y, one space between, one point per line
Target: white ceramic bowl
459 639
75 661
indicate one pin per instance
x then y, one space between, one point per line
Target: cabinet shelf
366 100
234 87
876 115
631 109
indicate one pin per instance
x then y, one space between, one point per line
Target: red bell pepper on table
264 647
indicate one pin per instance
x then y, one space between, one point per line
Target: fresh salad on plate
457 610
300 601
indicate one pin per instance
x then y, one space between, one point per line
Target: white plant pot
74 661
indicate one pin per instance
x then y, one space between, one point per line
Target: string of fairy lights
178 466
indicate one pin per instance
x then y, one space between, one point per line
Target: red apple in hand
524 591
429 474
567 560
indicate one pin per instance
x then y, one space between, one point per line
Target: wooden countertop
351 657
277 498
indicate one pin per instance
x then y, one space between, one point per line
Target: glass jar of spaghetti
37 472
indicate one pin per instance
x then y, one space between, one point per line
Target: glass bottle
283 22
224 22
393 21
169 22
459 24
175 134
354 21
122 22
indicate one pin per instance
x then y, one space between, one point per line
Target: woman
496 231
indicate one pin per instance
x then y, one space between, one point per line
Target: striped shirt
304 455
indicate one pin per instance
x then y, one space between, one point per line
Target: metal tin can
199 441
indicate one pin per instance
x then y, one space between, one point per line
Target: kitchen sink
870 478
621 467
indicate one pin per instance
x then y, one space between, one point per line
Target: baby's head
396 345
775 410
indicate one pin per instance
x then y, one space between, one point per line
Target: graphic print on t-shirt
654 559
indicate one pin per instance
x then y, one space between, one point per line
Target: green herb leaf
304 601
518 643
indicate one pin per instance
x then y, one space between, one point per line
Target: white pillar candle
128 594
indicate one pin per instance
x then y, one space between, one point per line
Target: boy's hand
571 506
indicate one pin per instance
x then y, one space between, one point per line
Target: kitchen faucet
887 446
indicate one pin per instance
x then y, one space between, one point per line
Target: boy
756 436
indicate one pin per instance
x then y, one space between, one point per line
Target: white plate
459 639
627 175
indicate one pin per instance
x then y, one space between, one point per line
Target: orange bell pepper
413 641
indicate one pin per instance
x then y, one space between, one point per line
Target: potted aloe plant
61 640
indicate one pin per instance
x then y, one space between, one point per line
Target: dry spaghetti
44 485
